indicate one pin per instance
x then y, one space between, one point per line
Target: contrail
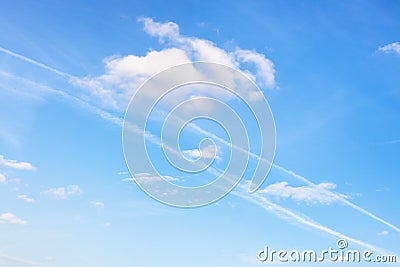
288 214
118 121
338 197
36 63
103 114
298 177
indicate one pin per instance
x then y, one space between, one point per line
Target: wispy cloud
26 198
393 47
97 204
14 164
383 233
3 179
392 142
62 193
11 218
148 178
309 194
208 152
11 261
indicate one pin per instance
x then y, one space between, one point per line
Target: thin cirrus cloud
14 261
393 142
14 164
62 193
148 178
26 198
11 218
393 47
383 233
97 204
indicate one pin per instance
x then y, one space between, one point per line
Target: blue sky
329 71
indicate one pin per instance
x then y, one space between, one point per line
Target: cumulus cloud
11 218
204 50
62 193
14 164
265 72
320 193
393 47
26 198
124 74
162 30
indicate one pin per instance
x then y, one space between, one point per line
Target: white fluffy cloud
62 193
124 74
16 165
321 193
11 218
393 47
161 30
265 72
204 50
